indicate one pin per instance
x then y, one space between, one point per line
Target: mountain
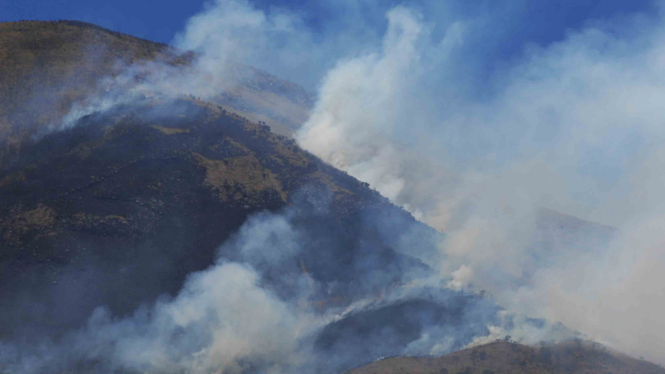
121 208
46 67
505 357
155 190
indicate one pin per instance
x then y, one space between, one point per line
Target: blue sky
154 20
504 29
536 21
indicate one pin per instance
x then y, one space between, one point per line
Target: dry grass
20 222
329 183
42 216
12 178
169 130
47 67
53 64
506 358
244 172
290 152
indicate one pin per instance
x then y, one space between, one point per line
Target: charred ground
47 67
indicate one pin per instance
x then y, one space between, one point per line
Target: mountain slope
506 358
122 207
46 67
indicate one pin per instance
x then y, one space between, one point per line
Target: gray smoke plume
222 321
573 127
233 318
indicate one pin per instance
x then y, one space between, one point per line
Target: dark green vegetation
505 357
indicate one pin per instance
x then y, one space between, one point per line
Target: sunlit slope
508 358
45 67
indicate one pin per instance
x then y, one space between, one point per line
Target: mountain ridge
114 177
577 356
46 67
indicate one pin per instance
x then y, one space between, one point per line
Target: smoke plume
574 126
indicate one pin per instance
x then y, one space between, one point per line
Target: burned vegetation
120 208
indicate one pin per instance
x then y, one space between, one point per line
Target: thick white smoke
356 124
230 319
222 321
576 127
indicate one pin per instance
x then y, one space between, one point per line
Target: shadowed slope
119 209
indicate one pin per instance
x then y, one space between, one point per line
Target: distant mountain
558 230
511 358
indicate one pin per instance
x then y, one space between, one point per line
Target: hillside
46 67
507 358
155 190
